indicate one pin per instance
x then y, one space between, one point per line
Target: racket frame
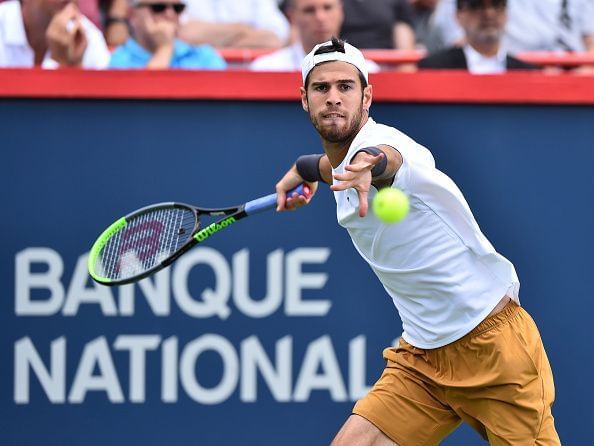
229 215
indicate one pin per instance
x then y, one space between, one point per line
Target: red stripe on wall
427 86
395 57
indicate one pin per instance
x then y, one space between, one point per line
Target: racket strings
146 241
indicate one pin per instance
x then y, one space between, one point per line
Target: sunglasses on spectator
476 5
159 8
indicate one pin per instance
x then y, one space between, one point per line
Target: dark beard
335 135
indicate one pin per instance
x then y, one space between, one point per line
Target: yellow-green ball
390 205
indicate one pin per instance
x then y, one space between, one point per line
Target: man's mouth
332 115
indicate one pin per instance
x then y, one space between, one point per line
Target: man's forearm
258 38
216 34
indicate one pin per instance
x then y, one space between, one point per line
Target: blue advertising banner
271 331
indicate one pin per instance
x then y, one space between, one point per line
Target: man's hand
291 180
357 175
66 38
162 32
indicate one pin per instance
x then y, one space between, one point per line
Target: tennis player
468 351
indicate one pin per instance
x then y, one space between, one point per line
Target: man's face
149 12
316 20
483 21
336 101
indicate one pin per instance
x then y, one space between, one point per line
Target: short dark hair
460 4
337 46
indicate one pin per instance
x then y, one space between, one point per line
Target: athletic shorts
497 379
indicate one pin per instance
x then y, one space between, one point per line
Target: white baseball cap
350 55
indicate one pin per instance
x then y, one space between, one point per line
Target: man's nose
320 15
170 13
333 96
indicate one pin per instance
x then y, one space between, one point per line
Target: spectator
155 24
315 21
483 22
49 34
378 24
235 24
423 18
558 25
115 25
533 25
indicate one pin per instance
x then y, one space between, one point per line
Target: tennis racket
151 238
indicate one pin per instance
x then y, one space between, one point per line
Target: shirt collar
479 64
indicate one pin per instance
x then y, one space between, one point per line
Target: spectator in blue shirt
154 45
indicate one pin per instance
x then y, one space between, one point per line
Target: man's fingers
78 31
150 24
343 185
367 164
292 202
280 201
377 158
362 203
68 16
356 167
343 176
296 201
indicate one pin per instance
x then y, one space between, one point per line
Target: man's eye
345 87
321 88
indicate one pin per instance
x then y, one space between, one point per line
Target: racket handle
269 201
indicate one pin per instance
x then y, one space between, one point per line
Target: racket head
142 243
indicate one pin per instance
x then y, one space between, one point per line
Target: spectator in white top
314 22
552 25
49 33
532 25
235 24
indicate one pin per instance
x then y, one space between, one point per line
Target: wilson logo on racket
212 228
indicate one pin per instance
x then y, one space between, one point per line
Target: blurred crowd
481 36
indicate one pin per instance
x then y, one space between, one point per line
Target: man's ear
304 103
367 97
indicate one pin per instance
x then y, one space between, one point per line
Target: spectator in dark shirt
378 24
483 22
423 15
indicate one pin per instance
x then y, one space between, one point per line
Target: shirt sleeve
403 12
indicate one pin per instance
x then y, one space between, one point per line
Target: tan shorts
497 378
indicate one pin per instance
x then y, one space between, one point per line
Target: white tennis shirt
442 273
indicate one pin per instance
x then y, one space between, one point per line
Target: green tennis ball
390 205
